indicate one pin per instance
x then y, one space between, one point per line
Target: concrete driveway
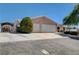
10 37
37 44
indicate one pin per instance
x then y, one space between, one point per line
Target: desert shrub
26 25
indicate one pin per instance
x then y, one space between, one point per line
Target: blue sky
10 12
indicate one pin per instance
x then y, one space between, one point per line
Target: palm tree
73 18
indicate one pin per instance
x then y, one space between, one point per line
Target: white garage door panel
44 28
36 28
48 28
0 27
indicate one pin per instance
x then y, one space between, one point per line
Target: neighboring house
40 24
7 27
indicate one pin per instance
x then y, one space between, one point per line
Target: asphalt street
37 44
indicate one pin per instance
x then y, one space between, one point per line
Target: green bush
26 25
18 30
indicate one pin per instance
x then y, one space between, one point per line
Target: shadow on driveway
70 36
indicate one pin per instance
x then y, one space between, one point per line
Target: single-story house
40 24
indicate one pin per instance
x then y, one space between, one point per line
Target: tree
26 25
73 18
65 20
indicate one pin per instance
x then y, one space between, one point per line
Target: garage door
48 28
36 28
44 28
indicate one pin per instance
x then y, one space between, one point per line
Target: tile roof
43 20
